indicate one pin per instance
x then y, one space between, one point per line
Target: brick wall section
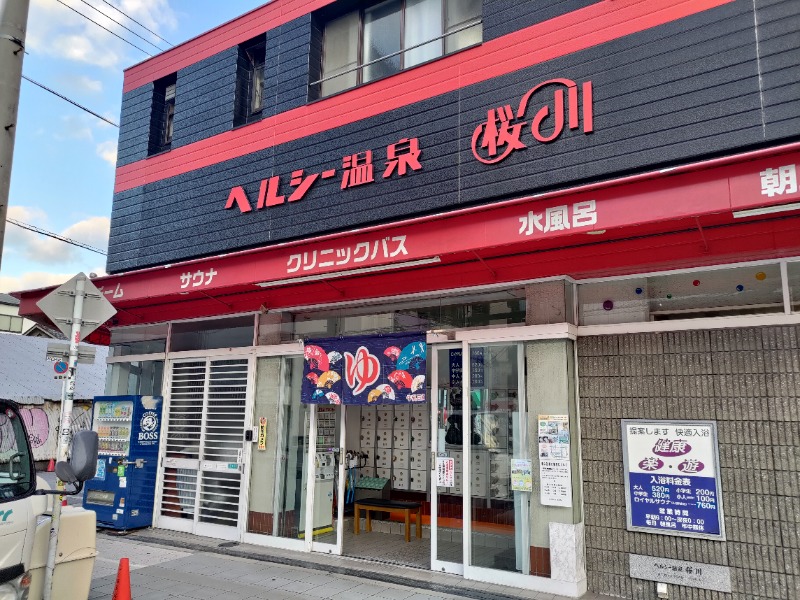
748 381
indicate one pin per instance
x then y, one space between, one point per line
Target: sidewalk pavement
167 565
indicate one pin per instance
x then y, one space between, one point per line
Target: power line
137 22
121 25
56 236
55 93
106 28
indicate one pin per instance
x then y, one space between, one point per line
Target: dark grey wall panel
204 98
134 125
501 17
779 62
672 94
747 380
286 82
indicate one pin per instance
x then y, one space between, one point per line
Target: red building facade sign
501 134
357 169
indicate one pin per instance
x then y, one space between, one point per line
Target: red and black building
604 192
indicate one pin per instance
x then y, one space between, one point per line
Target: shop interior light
765 210
362 271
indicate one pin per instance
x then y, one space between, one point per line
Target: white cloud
108 152
152 13
39 279
87 84
74 127
55 30
38 248
27 214
83 48
32 280
93 231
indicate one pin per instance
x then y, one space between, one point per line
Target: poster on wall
554 437
445 471
672 483
521 475
555 482
379 369
555 466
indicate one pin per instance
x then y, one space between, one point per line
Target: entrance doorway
294 469
387 470
480 524
475 419
318 462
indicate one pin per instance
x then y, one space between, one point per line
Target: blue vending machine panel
122 492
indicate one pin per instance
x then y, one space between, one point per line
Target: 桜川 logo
502 133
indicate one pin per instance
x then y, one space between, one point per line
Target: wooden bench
378 504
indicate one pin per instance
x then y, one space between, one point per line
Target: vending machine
122 492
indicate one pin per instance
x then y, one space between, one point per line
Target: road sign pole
68 394
89 308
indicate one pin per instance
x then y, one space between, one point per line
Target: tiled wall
748 381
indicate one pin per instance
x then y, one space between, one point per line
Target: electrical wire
137 22
121 25
56 236
55 93
106 28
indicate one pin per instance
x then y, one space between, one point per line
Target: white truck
25 517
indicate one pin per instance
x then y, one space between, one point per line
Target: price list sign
672 478
476 366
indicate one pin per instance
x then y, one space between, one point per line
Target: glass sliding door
494 431
278 471
447 500
326 472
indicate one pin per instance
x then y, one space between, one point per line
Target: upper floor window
162 116
385 38
250 81
11 323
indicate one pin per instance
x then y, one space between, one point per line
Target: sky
62 177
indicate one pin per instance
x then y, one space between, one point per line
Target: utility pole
13 24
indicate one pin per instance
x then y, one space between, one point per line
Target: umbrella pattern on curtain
383 369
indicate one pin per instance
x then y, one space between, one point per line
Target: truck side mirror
83 463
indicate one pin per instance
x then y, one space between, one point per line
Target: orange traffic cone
122 589
51 466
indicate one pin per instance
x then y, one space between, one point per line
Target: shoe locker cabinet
397 441
490 470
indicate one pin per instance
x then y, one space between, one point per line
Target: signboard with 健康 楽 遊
672 483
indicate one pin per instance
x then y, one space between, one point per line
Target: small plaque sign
262 433
681 572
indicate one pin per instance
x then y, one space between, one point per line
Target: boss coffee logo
148 434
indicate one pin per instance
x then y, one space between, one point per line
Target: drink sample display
112 422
